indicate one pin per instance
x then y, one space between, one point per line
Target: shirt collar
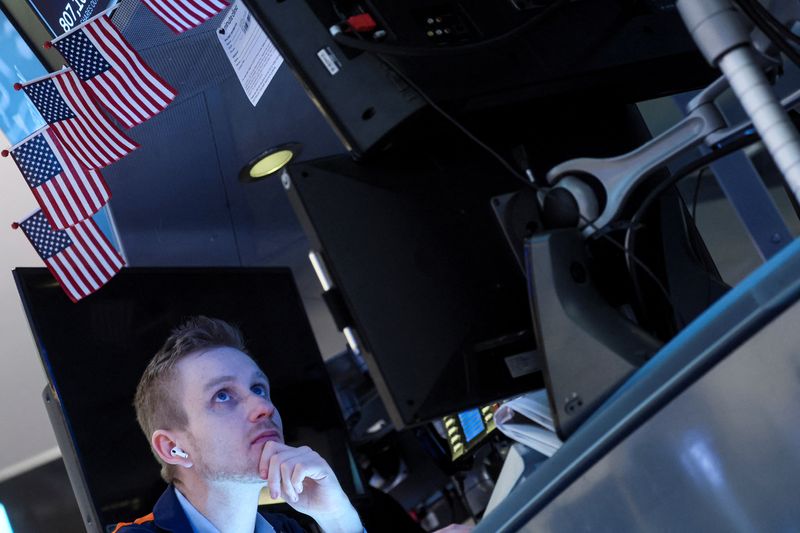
201 524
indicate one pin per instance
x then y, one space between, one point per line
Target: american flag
182 15
114 73
64 104
80 257
66 192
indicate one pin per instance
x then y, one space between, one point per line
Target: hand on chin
307 483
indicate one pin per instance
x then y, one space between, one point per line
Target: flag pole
24 219
28 138
20 85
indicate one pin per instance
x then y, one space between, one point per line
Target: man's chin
248 476
243 478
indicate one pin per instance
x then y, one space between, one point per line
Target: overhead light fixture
269 162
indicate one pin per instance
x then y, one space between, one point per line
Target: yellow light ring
269 162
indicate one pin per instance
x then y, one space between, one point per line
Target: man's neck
230 506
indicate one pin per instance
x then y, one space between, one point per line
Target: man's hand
308 485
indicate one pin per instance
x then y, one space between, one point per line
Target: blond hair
156 405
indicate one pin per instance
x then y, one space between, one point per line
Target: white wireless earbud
177 452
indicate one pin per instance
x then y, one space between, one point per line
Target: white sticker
330 60
253 56
522 364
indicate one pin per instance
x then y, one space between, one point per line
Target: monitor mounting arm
725 41
588 349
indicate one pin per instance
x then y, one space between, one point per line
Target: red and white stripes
182 15
73 195
88 264
90 136
130 90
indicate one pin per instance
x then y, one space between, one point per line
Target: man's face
226 398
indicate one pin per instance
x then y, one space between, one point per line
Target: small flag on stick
66 192
113 72
182 15
80 126
80 257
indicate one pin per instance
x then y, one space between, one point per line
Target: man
205 406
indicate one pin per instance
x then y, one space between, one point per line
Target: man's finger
274 470
270 448
298 475
286 482
309 466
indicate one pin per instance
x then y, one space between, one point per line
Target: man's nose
260 407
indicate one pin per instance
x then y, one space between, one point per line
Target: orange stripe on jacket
142 520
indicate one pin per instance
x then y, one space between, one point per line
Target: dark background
95 351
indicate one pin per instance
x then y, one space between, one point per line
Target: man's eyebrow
258 375
217 381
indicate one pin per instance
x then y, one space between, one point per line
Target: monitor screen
471 423
94 352
61 16
435 295
466 430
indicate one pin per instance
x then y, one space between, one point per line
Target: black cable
763 24
693 211
514 172
693 245
630 233
774 22
418 51
339 13
629 257
696 194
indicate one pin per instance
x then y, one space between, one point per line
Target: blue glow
701 461
471 423
5 525
18 117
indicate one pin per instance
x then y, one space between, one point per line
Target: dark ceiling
177 199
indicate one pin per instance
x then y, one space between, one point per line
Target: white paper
528 420
510 474
253 56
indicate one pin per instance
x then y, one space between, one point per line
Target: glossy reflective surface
723 456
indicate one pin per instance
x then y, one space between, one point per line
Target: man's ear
163 443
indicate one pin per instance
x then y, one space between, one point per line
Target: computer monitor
430 286
94 352
701 438
60 17
416 242
472 56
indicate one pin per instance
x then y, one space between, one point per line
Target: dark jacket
168 515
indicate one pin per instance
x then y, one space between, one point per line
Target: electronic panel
465 430
60 16
473 56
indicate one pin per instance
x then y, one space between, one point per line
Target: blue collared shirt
201 524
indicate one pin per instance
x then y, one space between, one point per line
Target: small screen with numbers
60 16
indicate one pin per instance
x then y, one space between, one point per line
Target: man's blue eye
261 390
222 396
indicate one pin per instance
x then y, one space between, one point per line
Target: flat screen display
471 423
60 16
